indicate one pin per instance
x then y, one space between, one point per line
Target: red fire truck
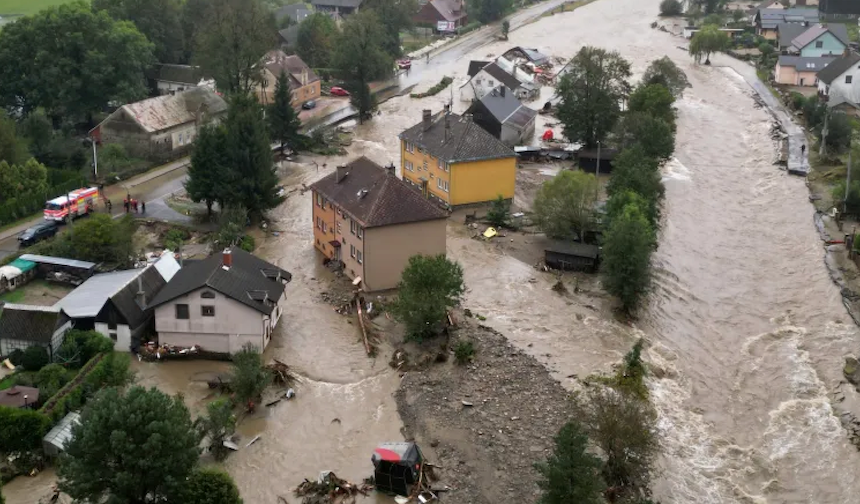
79 202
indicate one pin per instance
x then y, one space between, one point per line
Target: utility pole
822 147
95 160
847 185
597 171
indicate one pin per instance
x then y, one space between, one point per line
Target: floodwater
744 321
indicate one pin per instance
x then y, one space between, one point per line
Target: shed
55 440
61 267
587 160
572 256
397 467
16 273
19 397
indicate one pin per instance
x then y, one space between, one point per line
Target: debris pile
329 489
281 373
153 351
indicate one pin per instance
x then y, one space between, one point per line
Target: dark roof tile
376 198
247 274
464 140
838 67
30 323
476 66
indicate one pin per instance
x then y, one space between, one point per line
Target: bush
464 352
474 25
445 82
174 238
104 370
797 100
499 212
51 379
21 430
671 8
81 346
35 358
247 243
428 287
210 485
16 356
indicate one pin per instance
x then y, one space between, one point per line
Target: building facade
799 71
304 83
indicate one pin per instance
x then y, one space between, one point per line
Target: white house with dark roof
23 326
839 82
502 115
161 128
491 76
221 303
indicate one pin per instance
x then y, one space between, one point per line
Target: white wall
121 336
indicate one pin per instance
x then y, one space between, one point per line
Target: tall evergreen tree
252 181
208 172
360 57
627 248
571 474
284 123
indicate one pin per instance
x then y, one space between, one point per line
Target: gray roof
451 10
337 3
247 274
297 12
838 67
475 66
290 35
165 112
506 108
502 76
788 32
58 261
376 198
30 323
13 397
463 141
805 64
126 301
530 54
771 18
88 299
573 248
62 432
804 39
182 74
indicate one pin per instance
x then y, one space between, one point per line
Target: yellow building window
442 184
410 147
410 166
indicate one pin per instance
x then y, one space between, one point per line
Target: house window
207 295
849 79
339 228
319 200
319 223
819 44
410 166
352 226
439 164
425 165
447 167
182 311
359 232
442 184
207 311
410 147
490 82
359 256
352 251
324 228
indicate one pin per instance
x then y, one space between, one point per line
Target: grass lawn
27 6
7 382
15 296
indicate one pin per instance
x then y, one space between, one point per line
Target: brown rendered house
450 12
304 83
367 218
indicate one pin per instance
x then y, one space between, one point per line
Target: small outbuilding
16 274
56 439
572 256
61 268
588 159
397 467
23 326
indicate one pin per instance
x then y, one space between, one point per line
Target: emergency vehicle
80 202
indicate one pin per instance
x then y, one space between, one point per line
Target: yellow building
456 162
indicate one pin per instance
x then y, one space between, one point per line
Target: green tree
13 149
839 133
656 100
80 346
232 38
135 447
99 238
738 15
217 425
88 61
208 172
35 358
316 39
624 428
159 20
284 123
671 8
571 474
655 138
360 57
249 378
564 206
251 180
209 485
707 41
487 11
113 158
429 286
395 16
633 170
626 256
21 430
591 93
30 178
231 225
500 212
51 379
664 71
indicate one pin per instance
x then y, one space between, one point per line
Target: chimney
502 91
226 259
141 295
390 169
340 174
427 118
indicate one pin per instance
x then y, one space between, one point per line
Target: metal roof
812 34
165 112
809 64
23 265
461 141
167 265
30 322
573 248
62 432
88 299
58 261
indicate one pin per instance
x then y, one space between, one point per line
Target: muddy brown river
744 320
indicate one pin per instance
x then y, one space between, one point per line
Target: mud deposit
487 450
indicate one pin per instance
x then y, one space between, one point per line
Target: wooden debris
329 489
256 438
282 374
367 347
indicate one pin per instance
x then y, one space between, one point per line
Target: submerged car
339 91
37 233
309 104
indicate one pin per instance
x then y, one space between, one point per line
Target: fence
29 204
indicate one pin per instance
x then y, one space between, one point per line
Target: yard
37 292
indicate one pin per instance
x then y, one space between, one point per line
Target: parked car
37 233
404 64
339 91
309 104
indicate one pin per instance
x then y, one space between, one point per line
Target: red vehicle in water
339 91
404 64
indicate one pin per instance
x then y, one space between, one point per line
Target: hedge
25 205
22 430
445 82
